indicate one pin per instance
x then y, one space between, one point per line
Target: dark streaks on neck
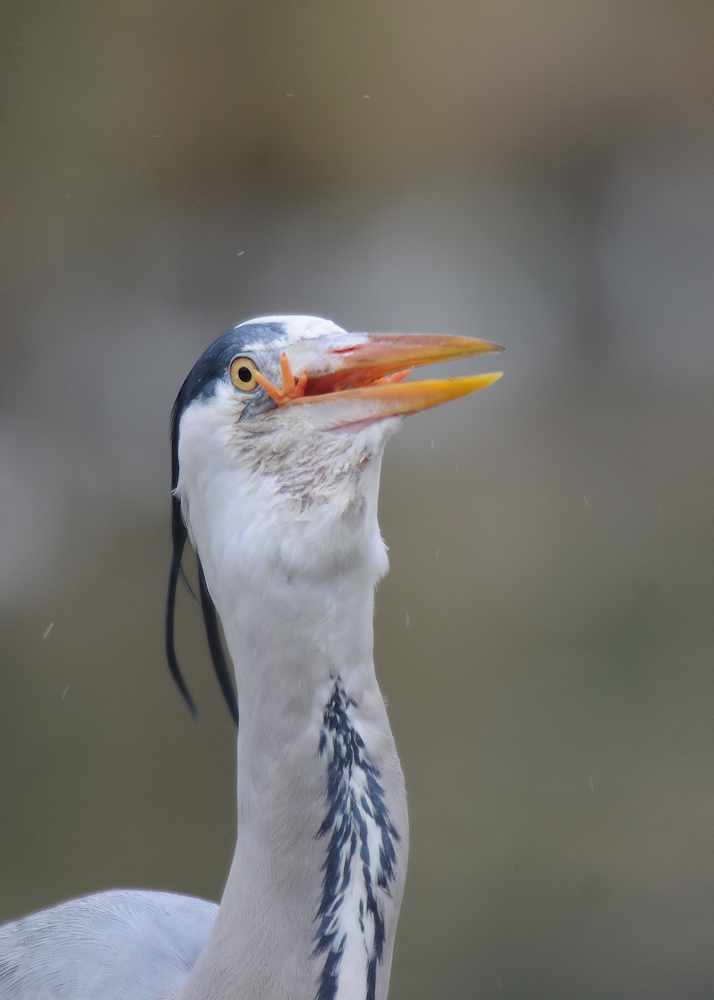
356 801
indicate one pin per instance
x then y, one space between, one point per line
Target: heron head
294 403
277 438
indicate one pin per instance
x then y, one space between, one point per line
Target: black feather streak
346 825
213 634
179 534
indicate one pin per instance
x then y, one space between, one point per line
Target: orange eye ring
243 373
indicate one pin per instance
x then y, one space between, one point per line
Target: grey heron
277 440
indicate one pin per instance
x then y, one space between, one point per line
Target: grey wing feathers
119 945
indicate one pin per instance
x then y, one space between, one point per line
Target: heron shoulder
117 945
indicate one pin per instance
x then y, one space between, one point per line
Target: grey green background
538 173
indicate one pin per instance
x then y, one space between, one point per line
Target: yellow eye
243 374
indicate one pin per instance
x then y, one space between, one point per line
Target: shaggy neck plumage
311 903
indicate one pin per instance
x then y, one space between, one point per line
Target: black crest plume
179 535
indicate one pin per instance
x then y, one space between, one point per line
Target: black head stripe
213 366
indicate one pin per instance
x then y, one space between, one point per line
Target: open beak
362 373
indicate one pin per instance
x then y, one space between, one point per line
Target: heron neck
311 903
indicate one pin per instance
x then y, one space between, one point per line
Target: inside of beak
367 360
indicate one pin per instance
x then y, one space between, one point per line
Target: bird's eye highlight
243 374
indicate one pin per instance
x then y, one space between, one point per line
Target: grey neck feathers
311 904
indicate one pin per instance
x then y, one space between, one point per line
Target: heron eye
243 374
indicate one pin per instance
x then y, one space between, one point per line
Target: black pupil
245 374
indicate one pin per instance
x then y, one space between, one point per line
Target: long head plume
179 535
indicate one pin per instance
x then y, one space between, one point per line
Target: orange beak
362 373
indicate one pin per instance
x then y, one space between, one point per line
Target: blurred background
537 173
